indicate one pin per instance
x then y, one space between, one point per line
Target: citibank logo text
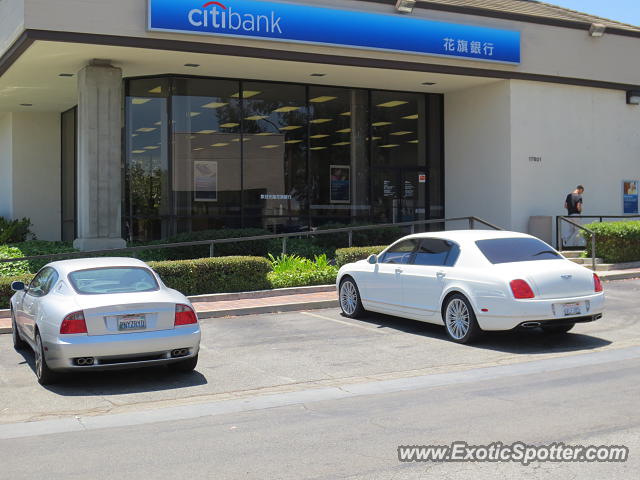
216 16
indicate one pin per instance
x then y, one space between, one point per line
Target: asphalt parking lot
276 353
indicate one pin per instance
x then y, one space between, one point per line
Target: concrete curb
287 307
278 292
618 275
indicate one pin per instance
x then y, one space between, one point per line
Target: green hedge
192 277
257 248
302 279
615 241
29 249
215 275
353 254
12 231
5 288
380 236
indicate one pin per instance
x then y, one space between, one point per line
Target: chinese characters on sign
474 47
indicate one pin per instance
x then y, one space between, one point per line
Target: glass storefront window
274 119
399 157
205 153
338 161
206 163
147 199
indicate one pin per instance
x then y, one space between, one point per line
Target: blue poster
329 26
630 196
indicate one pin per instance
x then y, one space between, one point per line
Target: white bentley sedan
473 280
103 313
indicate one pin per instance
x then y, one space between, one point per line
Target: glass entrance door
400 194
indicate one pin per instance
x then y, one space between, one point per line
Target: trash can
541 226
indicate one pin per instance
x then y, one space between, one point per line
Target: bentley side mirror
373 259
17 286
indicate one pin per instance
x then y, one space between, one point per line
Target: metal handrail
284 236
590 232
563 218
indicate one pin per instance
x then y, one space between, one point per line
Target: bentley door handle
441 275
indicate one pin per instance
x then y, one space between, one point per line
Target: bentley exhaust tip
179 352
530 325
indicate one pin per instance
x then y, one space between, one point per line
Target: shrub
28 249
379 236
5 287
615 241
215 275
255 248
295 271
14 231
353 254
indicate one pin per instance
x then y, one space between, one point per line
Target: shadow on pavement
118 382
526 342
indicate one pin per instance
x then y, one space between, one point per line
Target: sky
627 11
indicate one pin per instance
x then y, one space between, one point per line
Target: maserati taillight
73 323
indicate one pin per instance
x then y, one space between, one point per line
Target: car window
436 252
507 250
400 252
96 281
42 282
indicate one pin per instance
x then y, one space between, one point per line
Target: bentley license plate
572 309
132 322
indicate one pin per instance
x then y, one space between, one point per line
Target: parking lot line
369 329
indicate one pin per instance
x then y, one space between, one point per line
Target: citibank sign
300 23
220 17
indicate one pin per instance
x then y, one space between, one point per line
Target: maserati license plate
132 322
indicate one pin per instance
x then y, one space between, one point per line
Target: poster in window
205 181
340 185
630 196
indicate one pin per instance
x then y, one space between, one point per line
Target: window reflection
277 156
207 176
275 167
399 157
338 162
147 199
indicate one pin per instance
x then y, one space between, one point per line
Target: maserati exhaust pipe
82 361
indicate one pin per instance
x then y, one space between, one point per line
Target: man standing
573 204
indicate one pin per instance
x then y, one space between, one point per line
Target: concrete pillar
99 157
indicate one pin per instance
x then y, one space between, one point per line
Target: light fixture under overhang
322 99
405 6
26 104
318 74
65 75
597 29
392 104
428 84
633 97
192 65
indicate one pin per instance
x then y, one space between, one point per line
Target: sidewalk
284 300
247 303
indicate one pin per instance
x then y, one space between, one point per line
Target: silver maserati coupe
102 313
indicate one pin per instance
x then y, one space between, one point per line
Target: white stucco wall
585 136
36 171
6 200
477 153
11 22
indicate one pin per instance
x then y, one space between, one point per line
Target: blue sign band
326 26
